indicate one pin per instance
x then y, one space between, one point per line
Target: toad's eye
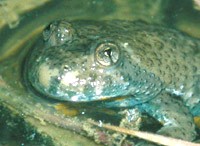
58 33
107 54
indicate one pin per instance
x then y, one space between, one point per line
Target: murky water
15 42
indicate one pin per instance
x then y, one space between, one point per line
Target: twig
167 141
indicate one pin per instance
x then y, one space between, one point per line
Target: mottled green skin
157 70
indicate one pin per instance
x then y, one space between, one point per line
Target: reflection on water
179 14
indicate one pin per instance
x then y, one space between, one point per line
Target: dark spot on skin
166 103
59 63
159 44
184 133
149 63
185 113
128 77
191 124
125 67
194 69
109 81
179 104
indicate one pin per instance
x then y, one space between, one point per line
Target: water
16 38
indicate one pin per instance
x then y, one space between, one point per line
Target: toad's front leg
175 117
